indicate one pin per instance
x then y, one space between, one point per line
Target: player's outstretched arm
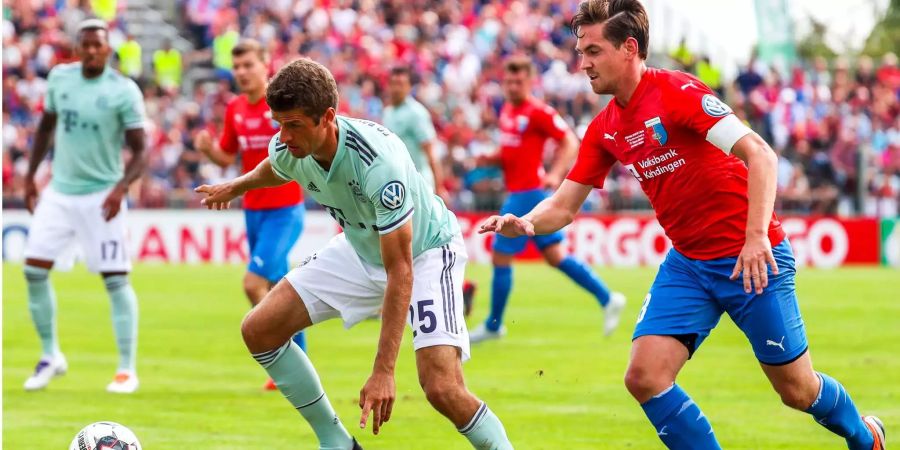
560 209
762 164
218 196
38 152
547 217
377 396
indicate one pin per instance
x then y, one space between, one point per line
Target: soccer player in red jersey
274 216
526 124
711 181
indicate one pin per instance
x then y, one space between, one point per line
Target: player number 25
427 320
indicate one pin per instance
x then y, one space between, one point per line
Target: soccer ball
105 436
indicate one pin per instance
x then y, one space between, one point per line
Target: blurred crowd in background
834 123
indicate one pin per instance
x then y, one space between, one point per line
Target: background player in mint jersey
401 252
273 216
88 109
411 121
526 124
688 151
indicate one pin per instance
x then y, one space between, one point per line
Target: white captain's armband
726 132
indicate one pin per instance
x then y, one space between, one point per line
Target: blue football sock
834 410
500 287
679 422
580 273
300 340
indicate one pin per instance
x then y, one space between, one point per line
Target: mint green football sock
124 319
42 304
298 381
485 431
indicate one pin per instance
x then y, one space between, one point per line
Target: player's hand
113 203
507 225
757 252
218 196
552 182
31 194
203 142
377 397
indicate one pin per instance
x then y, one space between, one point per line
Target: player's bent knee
500 259
797 395
644 384
796 398
554 255
250 330
441 393
258 335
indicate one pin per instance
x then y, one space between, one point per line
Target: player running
525 126
273 216
410 120
688 151
96 106
401 252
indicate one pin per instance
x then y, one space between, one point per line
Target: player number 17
108 250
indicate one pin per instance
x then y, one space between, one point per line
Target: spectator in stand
710 75
223 44
130 58
167 67
105 9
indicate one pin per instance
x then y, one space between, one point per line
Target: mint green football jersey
411 121
92 116
372 188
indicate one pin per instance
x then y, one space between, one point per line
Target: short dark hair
517 64
305 85
92 24
623 19
401 70
250 45
406 71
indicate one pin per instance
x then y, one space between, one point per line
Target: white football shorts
336 282
60 219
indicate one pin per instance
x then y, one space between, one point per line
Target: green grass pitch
555 381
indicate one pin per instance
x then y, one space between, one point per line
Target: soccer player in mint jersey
401 252
273 216
410 120
89 110
526 124
712 183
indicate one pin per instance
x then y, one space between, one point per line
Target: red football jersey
248 129
671 137
524 130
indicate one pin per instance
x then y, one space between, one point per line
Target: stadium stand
835 124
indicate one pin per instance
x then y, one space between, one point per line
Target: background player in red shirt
526 124
688 151
274 216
